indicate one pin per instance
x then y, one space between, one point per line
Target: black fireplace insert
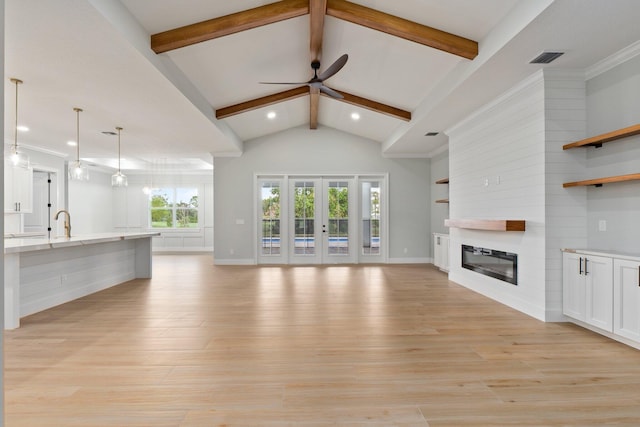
490 262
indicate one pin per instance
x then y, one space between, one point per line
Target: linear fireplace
490 262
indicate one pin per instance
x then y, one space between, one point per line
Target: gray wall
321 151
613 103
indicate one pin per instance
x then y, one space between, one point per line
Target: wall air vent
431 133
546 57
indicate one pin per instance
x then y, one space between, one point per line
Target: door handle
324 228
580 272
585 266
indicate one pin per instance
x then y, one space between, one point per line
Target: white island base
42 273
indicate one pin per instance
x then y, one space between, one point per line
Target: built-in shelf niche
487 224
442 181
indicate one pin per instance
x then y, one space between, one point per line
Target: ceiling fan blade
283 83
332 93
334 68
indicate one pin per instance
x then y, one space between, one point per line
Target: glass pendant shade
18 158
119 179
77 170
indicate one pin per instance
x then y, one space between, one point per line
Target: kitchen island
42 273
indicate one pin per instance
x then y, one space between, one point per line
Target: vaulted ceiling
183 77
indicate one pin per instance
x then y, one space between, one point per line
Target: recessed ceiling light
23 128
72 143
355 116
271 115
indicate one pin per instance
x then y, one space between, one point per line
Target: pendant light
18 158
118 179
78 171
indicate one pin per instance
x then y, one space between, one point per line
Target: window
174 208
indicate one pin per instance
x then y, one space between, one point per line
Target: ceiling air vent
431 133
546 57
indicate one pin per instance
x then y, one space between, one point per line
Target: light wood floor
203 345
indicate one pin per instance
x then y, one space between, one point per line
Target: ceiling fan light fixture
77 170
119 179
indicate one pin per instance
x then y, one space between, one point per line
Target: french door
320 231
319 220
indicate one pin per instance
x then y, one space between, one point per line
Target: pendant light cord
15 129
77 110
118 129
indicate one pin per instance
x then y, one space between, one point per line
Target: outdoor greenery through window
174 208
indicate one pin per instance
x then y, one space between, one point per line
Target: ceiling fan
317 82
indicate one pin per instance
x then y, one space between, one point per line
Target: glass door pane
338 218
304 217
270 224
370 218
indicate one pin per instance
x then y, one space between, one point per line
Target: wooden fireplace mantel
487 224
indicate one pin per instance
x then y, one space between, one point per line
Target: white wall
613 103
321 151
90 204
565 209
497 171
507 162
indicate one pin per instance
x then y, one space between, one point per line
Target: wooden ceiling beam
317 10
314 106
368 104
403 28
229 24
264 101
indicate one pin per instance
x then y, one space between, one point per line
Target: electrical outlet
602 225
232 251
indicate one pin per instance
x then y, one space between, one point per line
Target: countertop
35 244
606 253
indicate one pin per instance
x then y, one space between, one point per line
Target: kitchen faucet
67 222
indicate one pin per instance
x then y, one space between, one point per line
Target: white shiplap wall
566 209
497 171
507 162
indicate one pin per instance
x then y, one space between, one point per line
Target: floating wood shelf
597 141
442 201
443 181
487 224
607 180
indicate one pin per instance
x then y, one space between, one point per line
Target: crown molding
614 60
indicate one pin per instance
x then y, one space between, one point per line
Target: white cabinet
441 251
18 189
588 289
626 298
